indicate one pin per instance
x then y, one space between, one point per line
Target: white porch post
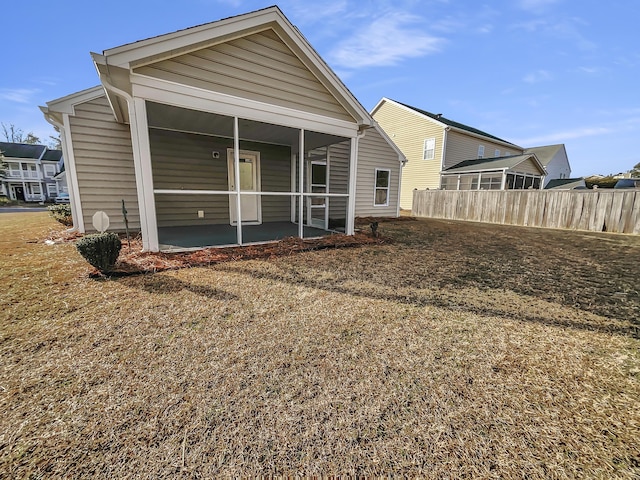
293 188
236 174
143 170
351 204
301 185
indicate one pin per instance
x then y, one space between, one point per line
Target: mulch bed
132 260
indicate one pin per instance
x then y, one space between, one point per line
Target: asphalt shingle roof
454 124
21 150
496 163
546 153
25 150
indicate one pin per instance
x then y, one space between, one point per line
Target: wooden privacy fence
595 210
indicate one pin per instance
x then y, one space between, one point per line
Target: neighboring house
30 172
515 172
61 178
555 161
566 184
446 154
179 117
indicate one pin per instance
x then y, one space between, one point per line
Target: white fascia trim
195 38
179 95
125 55
67 104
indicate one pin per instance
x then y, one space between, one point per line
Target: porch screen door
249 182
317 206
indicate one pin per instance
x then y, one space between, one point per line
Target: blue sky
533 72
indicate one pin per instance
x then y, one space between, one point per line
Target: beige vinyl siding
104 165
528 166
185 161
374 152
408 131
259 67
461 147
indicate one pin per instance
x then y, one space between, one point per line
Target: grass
460 350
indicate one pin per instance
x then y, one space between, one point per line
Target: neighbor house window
52 190
507 153
480 151
49 171
381 198
429 152
496 153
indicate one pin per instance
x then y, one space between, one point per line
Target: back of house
228 133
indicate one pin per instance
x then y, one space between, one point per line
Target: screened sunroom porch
197 156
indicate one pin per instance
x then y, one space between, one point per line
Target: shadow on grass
615 327
167 285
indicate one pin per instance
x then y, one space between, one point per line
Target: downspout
403 162
444 153
353 175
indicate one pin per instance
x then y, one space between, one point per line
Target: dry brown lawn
457 351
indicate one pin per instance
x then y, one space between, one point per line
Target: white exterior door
249 182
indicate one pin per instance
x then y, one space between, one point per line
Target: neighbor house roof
52 155
545 153
451 123
497 163
22 150
565 183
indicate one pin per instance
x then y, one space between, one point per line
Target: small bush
4 200
100 250
61 213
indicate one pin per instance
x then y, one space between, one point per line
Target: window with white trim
496 154
382 187
52 190
49 170
429 150
480 151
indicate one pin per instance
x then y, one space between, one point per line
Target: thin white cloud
538 76
18 95
559 137
385 41
536 5
304 14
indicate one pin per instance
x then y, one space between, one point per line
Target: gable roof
447 122
546 153
22 150
496 163
115 63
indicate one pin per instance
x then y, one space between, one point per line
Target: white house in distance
227 133
31 172
445 154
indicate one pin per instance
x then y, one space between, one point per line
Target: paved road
22 209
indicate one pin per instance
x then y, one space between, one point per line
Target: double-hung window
381 195
429 151
480 151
